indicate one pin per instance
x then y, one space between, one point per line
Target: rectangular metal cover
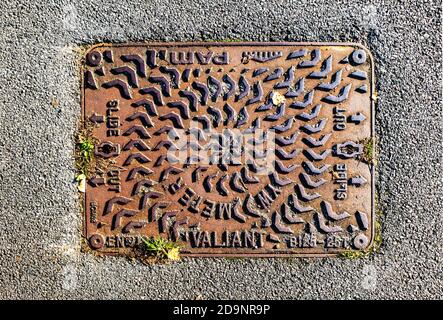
244 149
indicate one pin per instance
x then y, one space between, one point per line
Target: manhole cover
251 149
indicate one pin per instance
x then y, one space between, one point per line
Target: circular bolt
96 241
358 56
93 58
361 241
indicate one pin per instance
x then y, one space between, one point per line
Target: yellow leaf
277 98
173 254
81 179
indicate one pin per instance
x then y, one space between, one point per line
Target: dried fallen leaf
81 179
277 98
173 254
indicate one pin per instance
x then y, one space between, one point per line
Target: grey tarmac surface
39 109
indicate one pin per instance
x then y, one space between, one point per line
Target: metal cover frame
258 45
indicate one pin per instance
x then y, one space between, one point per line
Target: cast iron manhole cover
253 149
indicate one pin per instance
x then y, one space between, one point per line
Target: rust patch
244 149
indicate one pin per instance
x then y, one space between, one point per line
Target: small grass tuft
86 162
159 249
368 154
86 148
84 151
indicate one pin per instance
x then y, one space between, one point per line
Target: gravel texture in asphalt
40 106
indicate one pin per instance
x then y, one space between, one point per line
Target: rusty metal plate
230 149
